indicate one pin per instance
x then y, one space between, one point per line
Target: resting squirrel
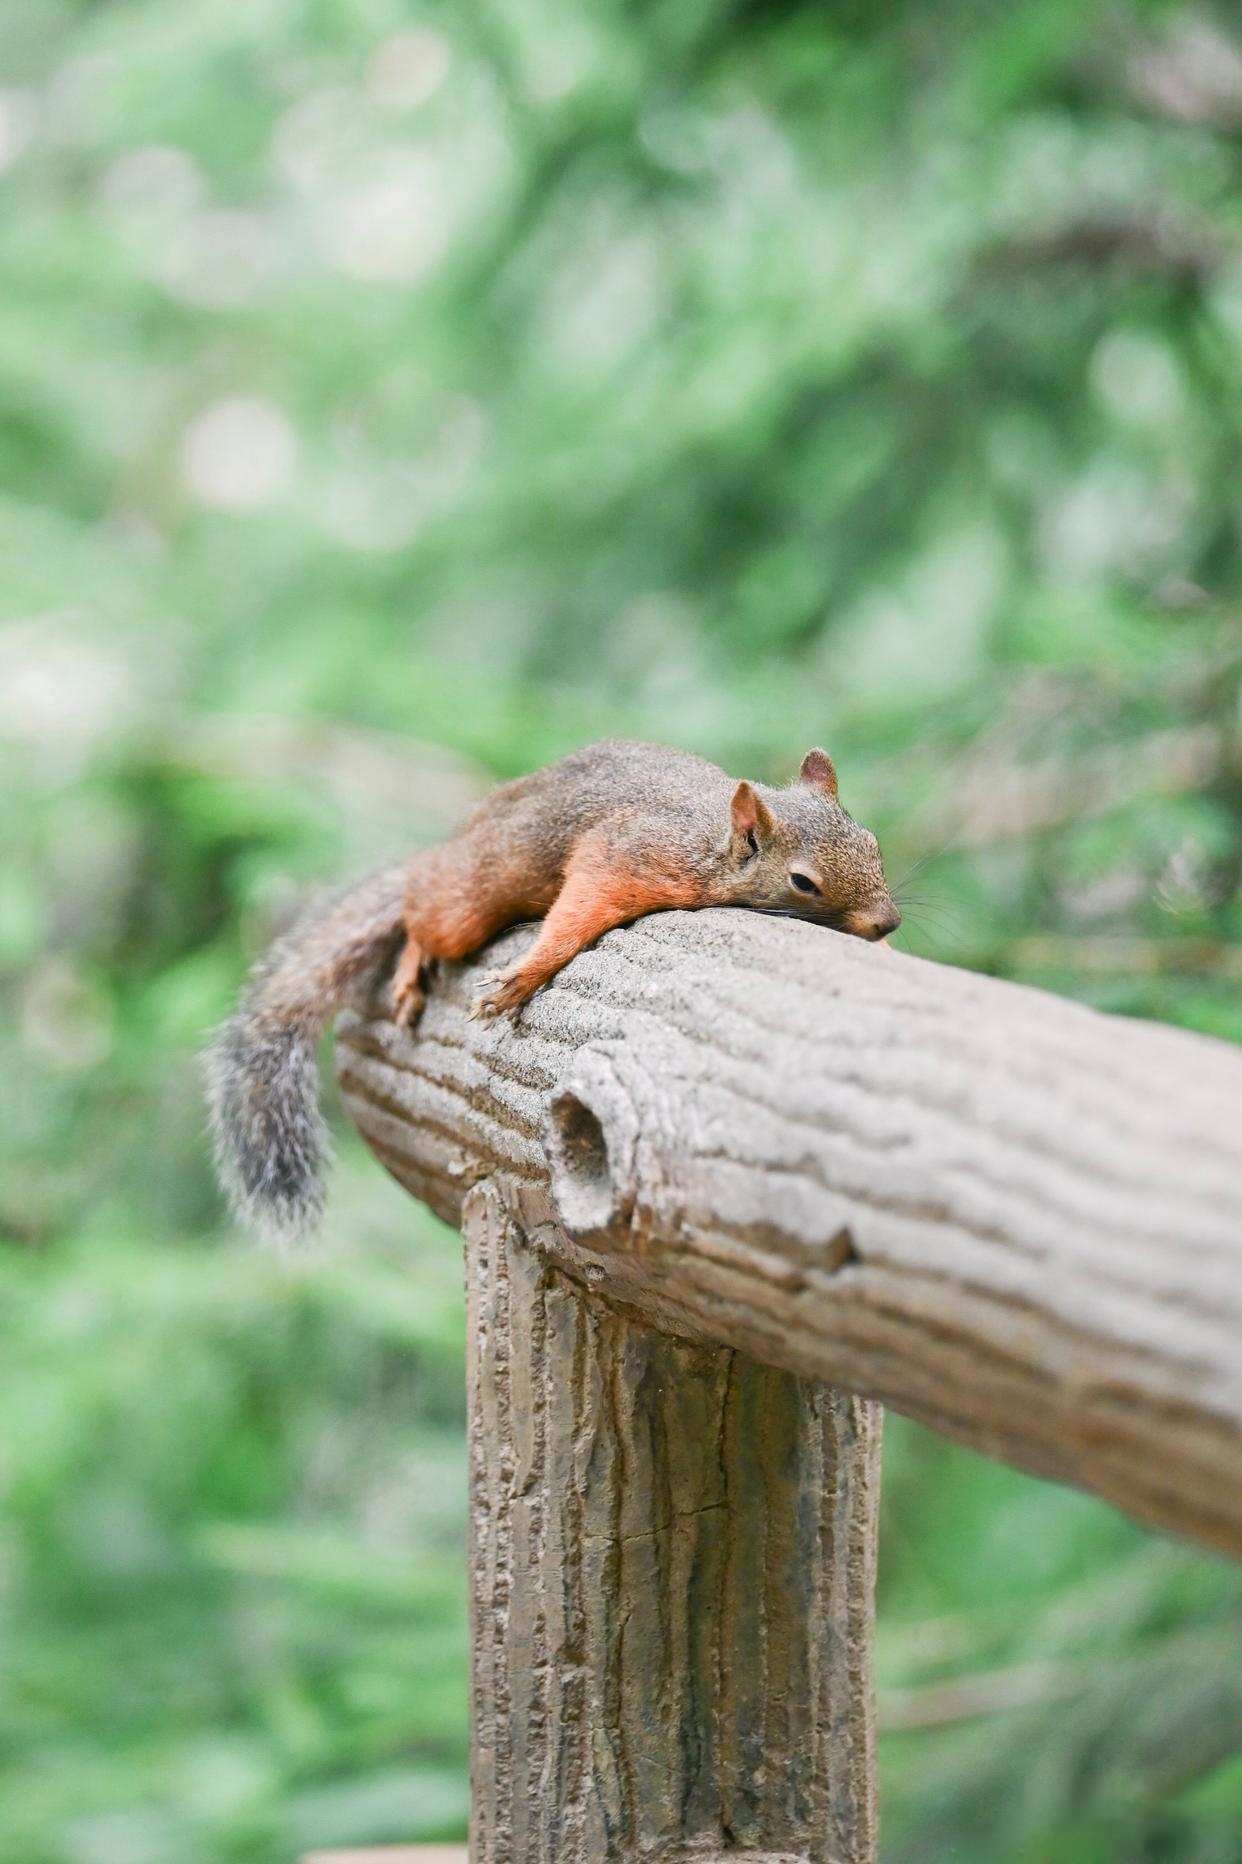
603 836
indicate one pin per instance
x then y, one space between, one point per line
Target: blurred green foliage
396 393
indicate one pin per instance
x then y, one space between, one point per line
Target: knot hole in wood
591 1135
581 1174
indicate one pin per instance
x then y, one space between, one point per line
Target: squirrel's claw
504 992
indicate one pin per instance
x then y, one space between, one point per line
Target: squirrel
590 842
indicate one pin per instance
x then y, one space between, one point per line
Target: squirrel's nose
876 922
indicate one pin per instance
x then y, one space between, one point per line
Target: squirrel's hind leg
455 901
408 994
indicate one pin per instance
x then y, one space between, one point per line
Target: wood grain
999 1212
672 1557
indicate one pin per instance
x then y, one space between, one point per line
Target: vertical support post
672 1562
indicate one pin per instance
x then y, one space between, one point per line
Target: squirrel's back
590 784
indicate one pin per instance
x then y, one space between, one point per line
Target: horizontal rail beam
1003 1214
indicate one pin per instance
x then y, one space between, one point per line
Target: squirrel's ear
817 771
749 813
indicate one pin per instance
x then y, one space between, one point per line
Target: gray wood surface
1001 1213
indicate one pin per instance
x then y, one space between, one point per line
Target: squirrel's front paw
505 991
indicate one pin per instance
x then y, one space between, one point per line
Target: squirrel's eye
804 883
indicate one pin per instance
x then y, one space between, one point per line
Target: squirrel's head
797 851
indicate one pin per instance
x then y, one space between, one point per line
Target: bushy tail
262 1078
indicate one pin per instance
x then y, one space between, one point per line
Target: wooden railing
728 1183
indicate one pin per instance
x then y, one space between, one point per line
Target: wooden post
672 1559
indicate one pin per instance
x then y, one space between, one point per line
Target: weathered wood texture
672 1568
998 1212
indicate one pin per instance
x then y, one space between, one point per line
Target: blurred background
393 396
